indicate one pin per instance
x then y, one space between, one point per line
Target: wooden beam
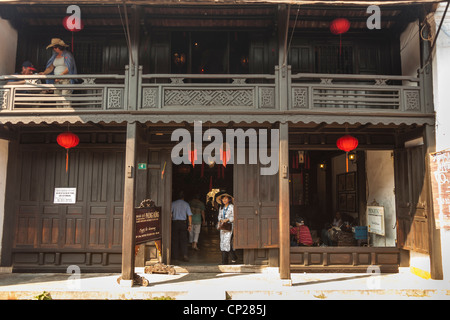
283 202
128 240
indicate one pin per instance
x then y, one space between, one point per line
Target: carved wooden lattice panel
4 98
115 98
149 98
208 97
412 100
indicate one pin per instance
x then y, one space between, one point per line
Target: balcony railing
233 92
319 91
187 93
90 91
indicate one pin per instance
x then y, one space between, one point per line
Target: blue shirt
180 210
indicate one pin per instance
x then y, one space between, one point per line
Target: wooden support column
133 52
283 173
128 240
283 176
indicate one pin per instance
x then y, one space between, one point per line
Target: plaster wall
380 189
8 47
441 96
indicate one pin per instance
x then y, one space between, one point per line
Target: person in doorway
226 215
181 212
301 233
198 219
61 62
211 213
329 231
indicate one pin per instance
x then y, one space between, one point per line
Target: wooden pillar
133 52
128 237
128 205
283 176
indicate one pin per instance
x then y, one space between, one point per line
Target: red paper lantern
339 26
72 27
193 157
225 155
67 140
347 143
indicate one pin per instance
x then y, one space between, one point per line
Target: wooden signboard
440 186
148 224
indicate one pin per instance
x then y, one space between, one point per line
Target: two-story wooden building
147 68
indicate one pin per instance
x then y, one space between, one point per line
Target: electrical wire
126 30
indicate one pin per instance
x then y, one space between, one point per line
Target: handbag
226 226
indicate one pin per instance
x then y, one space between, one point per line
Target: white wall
8 47
380 188
3 171
441 81
410 49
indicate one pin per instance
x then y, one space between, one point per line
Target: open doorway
204 182
332 193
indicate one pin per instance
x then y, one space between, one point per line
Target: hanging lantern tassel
67 159
346 161
67 140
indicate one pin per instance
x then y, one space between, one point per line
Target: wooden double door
87 233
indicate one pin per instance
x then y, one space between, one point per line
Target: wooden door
87 232
411 199
256 200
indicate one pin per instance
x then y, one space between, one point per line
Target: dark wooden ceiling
308 17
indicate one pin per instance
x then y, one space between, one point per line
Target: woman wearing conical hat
226 214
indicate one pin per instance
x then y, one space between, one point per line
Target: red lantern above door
347 143
67 140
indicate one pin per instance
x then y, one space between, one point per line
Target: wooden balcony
89 92
207 97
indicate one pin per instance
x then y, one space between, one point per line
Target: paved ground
264 285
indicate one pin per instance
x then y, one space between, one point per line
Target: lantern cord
67 159
293 30
126 30
286 35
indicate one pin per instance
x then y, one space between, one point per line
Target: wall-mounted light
322 166
352 156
